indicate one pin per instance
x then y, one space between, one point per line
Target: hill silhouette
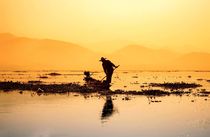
28 53
140 57
22 52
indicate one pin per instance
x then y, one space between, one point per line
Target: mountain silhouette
141 57
28 53
44 53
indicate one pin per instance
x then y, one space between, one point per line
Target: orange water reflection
23 115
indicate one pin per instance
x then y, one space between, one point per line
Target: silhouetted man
108 67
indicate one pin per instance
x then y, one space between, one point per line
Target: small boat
94 83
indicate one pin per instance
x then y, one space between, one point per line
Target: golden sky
107 25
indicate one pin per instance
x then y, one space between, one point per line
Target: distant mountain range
27 53
21 52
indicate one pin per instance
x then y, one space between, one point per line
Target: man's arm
113 65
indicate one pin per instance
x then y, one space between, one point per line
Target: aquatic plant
175 86
54 74
42 88
34 81
43 77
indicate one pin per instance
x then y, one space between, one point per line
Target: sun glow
106 26
154 23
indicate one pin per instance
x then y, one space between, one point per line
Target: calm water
29 115
74 115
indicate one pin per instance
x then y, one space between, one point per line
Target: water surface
74 115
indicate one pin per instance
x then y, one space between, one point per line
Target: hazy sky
106 25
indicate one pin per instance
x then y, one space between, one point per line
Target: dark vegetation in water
175 86
18 71
199 79
34 81
43 77
73 87
45 88
205 92
54 74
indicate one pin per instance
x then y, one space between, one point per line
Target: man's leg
109 77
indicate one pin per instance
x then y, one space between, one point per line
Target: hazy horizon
105 26
29 53
136 34
124 45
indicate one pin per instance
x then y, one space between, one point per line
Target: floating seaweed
43 77
175 86
136 82
54 74
43 88
199 79
126 98
19 71
34 81
205 92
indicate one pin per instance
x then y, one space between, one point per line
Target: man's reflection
107 110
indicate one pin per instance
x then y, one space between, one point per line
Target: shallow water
126 80
74 115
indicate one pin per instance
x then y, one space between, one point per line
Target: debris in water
54 74
152 99
126 98
204 93
19 71
142 86
199 79
40 90
156 101
76 88
136 82
175 86
34 81
44 77
76 95
203 90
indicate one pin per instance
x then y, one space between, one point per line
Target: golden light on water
153 41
